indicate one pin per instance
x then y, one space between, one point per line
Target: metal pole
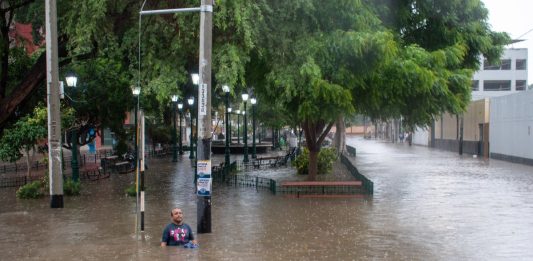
191 143
461 136
203 207
180 139
254 153
238 128
54 117
228 135
245 136
74 160
136 145
141 167
174 146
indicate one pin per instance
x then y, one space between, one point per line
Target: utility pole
203 153
203 150
54 117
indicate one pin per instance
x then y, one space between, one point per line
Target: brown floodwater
427 205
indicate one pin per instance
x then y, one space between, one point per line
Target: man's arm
164 238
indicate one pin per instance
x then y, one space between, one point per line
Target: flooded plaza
427 205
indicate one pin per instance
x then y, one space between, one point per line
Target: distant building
21 35
510 76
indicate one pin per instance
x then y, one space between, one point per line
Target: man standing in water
178 233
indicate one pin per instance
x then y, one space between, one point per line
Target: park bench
93 172
160 152
334 189
351 150
264 161
217 168
123 167
281 161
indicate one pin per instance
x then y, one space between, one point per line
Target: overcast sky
516 18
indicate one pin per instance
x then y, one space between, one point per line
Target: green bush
71 188
30 190
326 158
131 190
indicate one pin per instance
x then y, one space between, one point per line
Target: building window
521 85
488 66
521 64
497 85
475 85
504 65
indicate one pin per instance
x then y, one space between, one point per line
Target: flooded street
427 205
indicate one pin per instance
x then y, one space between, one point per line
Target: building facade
508 77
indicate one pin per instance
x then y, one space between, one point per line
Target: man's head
177 216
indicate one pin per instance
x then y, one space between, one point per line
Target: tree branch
13 7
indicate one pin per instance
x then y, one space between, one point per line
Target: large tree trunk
315 133
313 165
340 135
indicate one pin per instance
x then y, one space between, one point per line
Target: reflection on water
428 205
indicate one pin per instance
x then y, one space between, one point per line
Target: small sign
204 182
203 99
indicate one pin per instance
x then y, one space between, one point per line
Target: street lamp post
229 127
71 82
136 92
190 101
180 108
253 101
174 146
195 80
238 126
245 134
228 136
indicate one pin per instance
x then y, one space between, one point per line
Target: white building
510 76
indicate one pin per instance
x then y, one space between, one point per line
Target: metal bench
123 167
94 172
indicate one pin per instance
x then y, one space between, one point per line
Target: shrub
71 187
30 190
131 190
326 157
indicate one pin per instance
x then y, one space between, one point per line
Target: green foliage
131 190
71 188
22 136
121 147
30 191
326 158
45 181
161 133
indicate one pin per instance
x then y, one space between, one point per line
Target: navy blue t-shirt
176 235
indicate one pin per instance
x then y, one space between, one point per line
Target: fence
367 184
243 180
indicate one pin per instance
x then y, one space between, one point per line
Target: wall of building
511 134
447 128
512 74
421 136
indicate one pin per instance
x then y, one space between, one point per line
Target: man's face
177 216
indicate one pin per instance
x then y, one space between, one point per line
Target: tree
102 37
22 137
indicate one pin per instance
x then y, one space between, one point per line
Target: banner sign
204 182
